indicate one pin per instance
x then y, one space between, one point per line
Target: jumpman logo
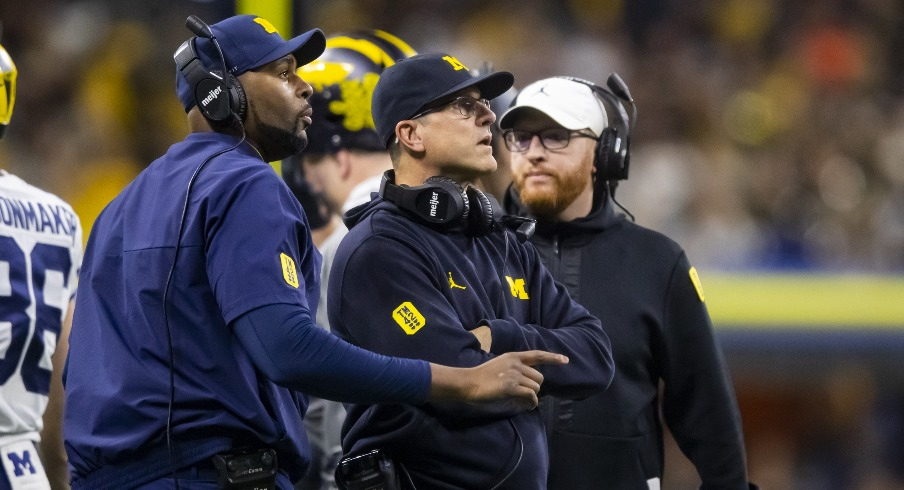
452 283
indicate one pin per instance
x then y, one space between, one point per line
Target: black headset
613 153
218 94
442 203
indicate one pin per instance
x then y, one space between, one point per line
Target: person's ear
408 135
343 163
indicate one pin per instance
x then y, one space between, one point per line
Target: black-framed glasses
466 105
551 138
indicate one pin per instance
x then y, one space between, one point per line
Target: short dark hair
395 151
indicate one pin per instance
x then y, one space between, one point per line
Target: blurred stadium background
769 143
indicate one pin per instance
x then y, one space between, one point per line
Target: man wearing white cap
569 142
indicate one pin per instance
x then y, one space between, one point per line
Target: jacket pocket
581 461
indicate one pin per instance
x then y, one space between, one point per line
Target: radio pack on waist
246 469
370 471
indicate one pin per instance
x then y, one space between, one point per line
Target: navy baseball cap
248 42
412 84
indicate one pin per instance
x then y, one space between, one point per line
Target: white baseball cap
571 104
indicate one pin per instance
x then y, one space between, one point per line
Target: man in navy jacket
437 277
193 336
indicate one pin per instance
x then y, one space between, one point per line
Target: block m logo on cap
266 25
457 65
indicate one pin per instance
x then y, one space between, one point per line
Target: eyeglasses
551 138
467 106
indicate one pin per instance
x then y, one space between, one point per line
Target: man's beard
280 143
549 202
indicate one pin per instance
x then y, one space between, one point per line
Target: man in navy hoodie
427 271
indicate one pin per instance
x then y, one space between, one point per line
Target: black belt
202 470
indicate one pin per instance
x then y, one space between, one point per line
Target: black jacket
642 287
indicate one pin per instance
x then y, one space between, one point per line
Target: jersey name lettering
36 216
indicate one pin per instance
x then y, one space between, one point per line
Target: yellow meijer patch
288 270
695 278
517 287
455 63
265 24
407 316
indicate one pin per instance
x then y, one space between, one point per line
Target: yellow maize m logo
457 65
517 287
265 24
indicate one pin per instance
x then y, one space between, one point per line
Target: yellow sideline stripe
278 13
818 301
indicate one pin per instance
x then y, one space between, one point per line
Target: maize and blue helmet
8 75
343 78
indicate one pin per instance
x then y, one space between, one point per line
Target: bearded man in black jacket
569 143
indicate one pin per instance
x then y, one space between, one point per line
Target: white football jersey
40 255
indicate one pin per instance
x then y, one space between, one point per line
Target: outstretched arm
287 347
510 377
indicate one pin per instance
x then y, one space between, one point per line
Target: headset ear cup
238 102
603 157
452 187
480 220
613 148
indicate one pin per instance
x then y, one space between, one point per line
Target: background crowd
770 137
769 133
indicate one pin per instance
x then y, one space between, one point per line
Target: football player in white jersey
40 254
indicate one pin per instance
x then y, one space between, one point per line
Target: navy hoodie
402 288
